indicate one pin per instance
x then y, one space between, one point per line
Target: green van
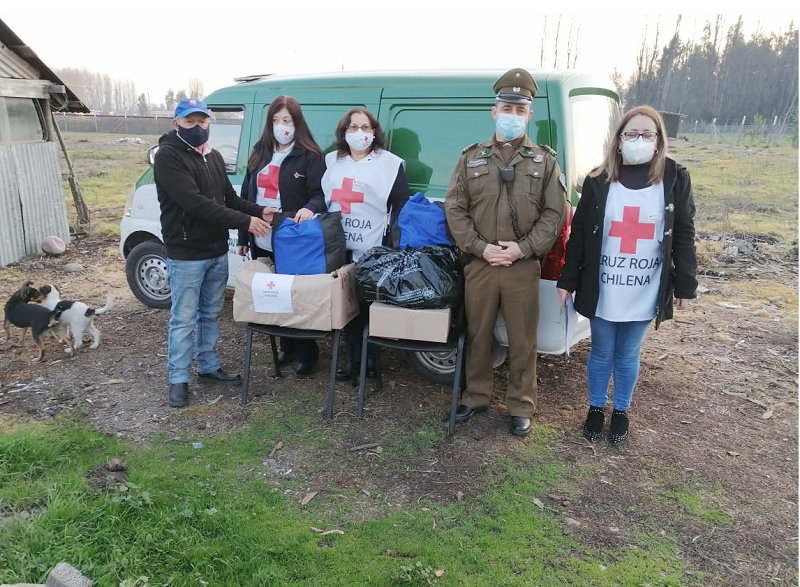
428 118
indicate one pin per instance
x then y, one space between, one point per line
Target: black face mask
194 136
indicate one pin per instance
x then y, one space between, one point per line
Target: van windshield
226 131
593 117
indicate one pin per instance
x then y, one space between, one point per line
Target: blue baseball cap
189 106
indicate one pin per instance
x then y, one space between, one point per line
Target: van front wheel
146 270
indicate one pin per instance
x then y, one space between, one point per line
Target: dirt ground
715 409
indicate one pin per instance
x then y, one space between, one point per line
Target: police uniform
479 213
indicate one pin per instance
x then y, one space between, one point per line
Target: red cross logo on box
630 230
269 181
346 196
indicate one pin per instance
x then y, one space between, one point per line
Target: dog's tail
104 309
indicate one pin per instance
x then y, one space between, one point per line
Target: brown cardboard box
390 321
318 302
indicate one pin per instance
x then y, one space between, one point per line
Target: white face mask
282 133
638 151
359 140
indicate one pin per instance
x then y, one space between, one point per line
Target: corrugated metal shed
18 61
32 203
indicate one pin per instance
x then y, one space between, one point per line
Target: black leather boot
178 395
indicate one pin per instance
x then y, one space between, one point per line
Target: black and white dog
75 317
22 311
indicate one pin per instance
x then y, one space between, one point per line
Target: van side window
593 117
21 120
430 139
226 131
322 121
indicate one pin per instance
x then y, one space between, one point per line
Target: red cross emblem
630 230
269 181
270 285
346 196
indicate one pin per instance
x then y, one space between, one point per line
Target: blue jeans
198 295
616 347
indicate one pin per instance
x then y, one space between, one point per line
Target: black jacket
298 182
581 271
198 202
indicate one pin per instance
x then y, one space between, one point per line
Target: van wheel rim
442 362
152 272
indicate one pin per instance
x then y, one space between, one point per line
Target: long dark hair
343 148
302 134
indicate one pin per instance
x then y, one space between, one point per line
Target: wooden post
84 222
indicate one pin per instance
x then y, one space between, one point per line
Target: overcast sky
161 51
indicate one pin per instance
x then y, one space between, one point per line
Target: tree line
721 76
102 93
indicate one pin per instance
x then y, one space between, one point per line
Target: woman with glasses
368 185
630 257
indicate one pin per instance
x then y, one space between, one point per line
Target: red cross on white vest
346 195
630 230
269 181
270 285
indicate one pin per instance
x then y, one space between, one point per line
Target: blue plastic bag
422 223
311 247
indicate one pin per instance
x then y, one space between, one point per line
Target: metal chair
272 332
455 340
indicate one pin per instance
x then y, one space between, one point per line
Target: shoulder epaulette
465 149
549 150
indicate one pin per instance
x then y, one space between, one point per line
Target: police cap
516 86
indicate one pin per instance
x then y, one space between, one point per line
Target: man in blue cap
505 205
198 206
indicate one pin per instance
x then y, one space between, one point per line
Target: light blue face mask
510 126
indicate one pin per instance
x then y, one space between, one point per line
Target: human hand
242 250
495 255
303 214
563 295
682 303
268 213
258 226
511 250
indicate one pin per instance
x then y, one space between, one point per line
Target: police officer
506 204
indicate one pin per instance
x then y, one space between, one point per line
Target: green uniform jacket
477 206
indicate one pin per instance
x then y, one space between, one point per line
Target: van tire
436 367
146 270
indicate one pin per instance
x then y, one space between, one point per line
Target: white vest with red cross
360 190
630 256
269 193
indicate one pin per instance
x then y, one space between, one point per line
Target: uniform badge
476 162
485 153
538 159
298 175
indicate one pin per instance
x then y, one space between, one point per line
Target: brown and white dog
20 312
74 318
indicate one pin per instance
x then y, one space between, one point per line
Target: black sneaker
593 427
618 431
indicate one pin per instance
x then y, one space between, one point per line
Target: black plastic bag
424 279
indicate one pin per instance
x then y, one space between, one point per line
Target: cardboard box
310 302
390 321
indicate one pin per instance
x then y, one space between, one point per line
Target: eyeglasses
631 135
356 128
